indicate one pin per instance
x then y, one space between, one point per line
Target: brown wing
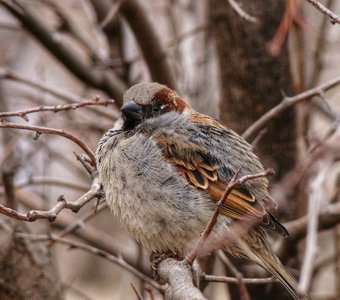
240 204
202 174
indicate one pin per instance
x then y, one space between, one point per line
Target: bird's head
149 100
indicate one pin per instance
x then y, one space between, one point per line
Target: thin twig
225 279
87 164
334 18
62 203
103 79
50 181
112 14
328 218
78 292
68 25
290 15
322 150
236 6
234 182
81 221
56 108
68 97
10 74
321 45
287 102
149 42
86 232
175 40
139 296
47 130
244 294
101 253
315 199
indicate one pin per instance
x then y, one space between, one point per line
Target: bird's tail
257 250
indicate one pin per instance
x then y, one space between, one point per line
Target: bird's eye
156 109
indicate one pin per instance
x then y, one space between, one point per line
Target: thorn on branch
37 135
24 116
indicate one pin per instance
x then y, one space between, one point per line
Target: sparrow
164 166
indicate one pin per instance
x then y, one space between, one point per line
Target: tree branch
149 42
236 6
178 275
244 294
104 80
233 280
56 108
328 218
316 197
86 232
334 18
287 102
101 253
9 74
62 203
46 130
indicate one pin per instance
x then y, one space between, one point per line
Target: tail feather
256 249
275 267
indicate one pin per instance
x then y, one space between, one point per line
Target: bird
164 166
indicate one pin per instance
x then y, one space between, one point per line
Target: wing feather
194 162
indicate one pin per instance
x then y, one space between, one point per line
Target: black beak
132 114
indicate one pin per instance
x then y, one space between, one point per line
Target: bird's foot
156 258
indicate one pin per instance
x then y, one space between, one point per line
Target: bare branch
103 79
149 42
334 18
68 25
56 108
328 218
224 279
321 150
244 295
316 197
112 14
62 203
138 295
178 275
79 222
290 15
9 74
287 102
101 253
50 181
236 6
86 232
176 40
46 130
320 46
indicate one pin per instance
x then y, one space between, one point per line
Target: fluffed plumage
164 166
